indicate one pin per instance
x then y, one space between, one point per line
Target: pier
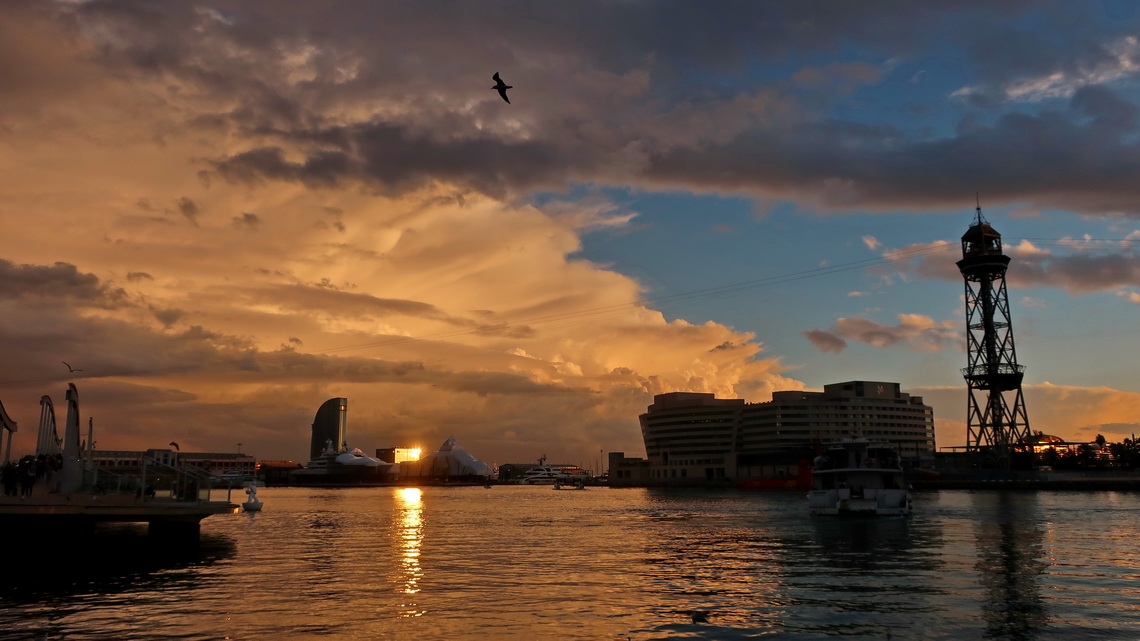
60 491
79 514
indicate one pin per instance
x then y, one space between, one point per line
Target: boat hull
880 503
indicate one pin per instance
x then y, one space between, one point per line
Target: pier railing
155 480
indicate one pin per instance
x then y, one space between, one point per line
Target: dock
69 494
79 513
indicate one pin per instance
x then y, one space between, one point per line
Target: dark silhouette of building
996 422
698 439
329 426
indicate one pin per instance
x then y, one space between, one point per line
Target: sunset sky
226 213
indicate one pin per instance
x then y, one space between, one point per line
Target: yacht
340 465
544 474
858 477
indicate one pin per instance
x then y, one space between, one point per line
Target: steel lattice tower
996 420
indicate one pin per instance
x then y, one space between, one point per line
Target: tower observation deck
996 423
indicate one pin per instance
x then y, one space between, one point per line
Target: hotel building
694 438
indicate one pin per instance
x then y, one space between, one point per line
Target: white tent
450 460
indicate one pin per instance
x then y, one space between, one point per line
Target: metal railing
155 480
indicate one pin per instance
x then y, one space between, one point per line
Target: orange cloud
1076 414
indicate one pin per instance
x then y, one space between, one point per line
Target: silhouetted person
10 476
501 87
27 476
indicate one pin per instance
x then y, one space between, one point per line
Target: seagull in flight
70 368
501 87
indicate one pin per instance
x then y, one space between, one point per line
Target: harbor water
528 562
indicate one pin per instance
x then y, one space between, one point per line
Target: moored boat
858 477
579 484
544 475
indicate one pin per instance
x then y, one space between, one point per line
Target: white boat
858 477
544 475
343 464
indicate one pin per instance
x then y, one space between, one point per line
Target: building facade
694 439
131 462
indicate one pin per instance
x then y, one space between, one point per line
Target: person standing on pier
10 477
27 476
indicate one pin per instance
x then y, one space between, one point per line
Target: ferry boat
858 477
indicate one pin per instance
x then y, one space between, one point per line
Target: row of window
673 473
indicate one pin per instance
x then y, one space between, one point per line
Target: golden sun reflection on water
410 535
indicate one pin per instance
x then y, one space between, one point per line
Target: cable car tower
996 421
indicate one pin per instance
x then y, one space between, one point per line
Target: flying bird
501 86
70 368
175 446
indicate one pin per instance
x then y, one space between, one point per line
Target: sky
225 213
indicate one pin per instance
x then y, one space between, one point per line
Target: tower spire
997 422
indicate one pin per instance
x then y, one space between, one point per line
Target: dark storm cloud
1086 266
1078 274
58 281
618 92
398 160
246 221
188 208
1051 159
168 317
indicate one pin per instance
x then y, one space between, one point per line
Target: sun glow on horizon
405 454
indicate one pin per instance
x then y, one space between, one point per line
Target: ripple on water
528 562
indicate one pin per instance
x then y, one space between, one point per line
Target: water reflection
1010 563
51 586
410 535
115 558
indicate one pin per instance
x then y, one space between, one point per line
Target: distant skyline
222 214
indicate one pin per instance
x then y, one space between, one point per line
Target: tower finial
979 219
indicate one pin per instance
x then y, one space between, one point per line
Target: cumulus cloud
390 195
